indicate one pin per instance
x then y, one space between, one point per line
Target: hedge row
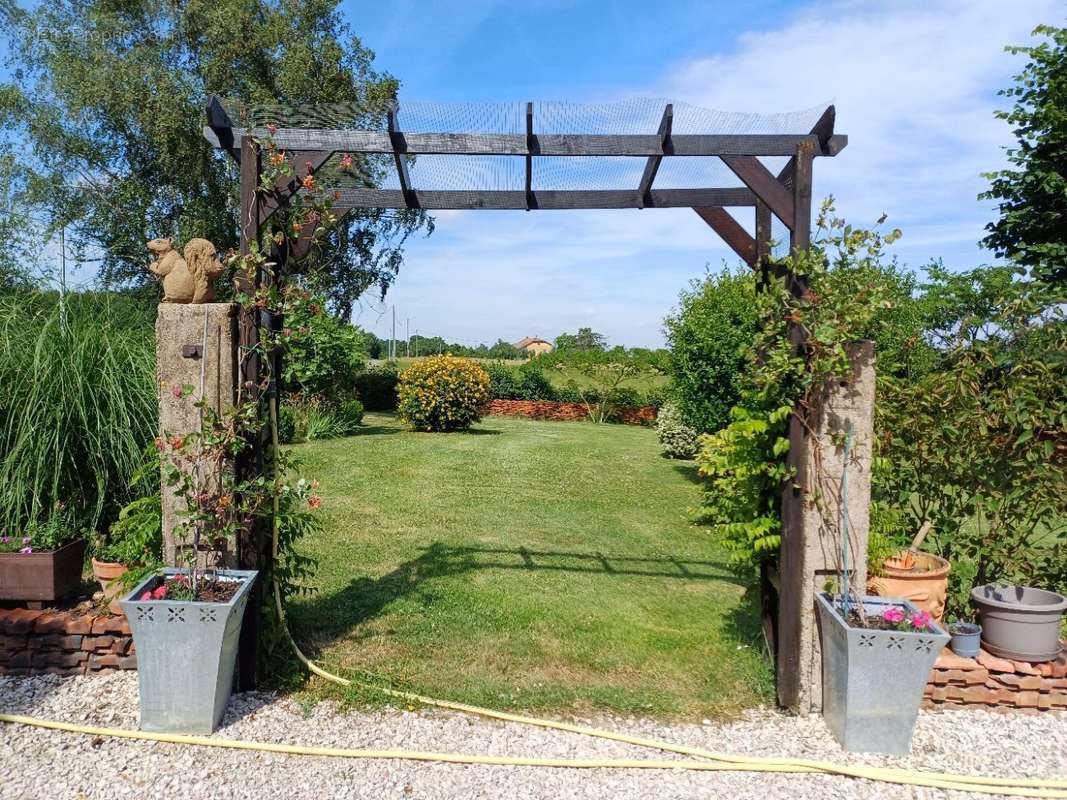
376 388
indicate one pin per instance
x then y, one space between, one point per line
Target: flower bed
63 642
555 410
997 683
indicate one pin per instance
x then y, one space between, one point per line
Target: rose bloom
177 442
314 501
346 161
308 182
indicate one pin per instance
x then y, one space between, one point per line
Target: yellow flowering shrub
442 393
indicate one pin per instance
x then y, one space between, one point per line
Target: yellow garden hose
714 761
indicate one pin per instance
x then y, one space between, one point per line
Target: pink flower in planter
893 615
160 592
26 550
920 620
146 596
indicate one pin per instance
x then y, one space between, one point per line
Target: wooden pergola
785 194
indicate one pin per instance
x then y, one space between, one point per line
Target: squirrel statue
187 276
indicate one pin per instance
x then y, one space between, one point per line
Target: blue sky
914 83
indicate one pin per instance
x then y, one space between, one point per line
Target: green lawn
534 565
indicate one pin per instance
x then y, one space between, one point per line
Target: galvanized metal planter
186 654
872 680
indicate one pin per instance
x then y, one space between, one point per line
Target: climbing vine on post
802 344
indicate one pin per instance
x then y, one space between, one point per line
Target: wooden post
250 464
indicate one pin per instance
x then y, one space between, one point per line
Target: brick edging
570 412
63 642
996 683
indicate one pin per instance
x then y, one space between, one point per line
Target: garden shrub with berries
442 393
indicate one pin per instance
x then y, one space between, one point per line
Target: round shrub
677 440
442 393
376 387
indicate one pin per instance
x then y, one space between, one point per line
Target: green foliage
597 378
77 408
676 439
442 393
323 355
976 447
376 387
105 106
311 417
848 298
136 537
585 340
286 424
524 382
709 336
1033 195
44 534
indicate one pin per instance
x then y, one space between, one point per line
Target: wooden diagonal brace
765 186
731 232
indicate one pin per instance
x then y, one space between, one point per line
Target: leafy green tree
977 447
585 339
324 355
106 104
1033 195
708 334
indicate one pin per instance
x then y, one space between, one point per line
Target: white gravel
36 763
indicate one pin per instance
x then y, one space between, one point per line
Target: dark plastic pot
1019 622
42 577
966 639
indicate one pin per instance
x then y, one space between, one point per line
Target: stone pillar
182 350
811 523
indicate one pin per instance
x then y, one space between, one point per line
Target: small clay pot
108 573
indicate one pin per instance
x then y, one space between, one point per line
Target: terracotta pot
925 584
108 573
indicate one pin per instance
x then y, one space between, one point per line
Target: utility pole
416 343
392 339
407 337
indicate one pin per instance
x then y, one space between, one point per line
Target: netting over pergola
546 155
640 153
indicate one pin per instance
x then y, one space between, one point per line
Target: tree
585 339
106 101
1033 195
708 334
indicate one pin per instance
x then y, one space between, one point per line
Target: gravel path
35 763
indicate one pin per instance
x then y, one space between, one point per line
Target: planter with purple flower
877 653
42 563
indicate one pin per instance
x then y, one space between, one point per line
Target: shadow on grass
331 616
689 471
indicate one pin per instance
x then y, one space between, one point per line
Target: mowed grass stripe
536 565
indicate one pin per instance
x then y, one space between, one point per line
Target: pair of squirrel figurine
188 276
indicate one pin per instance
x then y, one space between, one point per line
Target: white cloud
915 88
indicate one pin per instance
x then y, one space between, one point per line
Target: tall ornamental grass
77 405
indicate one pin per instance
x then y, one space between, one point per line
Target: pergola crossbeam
508 144
398 145
652 165
541 198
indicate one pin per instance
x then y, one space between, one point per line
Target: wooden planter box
42 577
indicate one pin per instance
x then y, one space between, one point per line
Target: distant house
533 346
